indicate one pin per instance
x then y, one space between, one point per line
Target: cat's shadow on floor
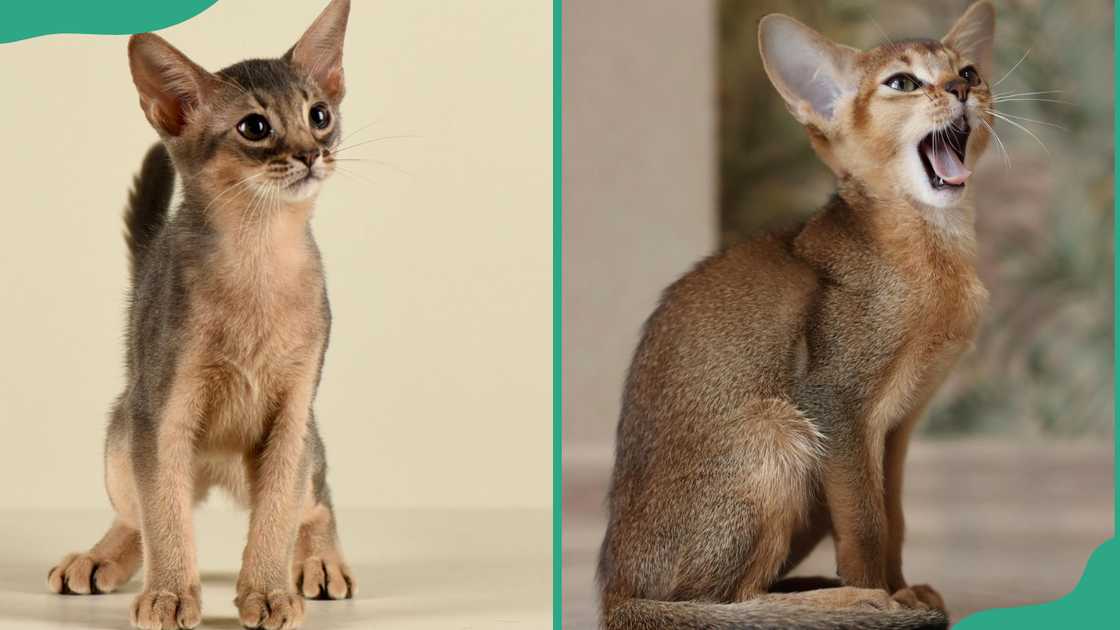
403 590
24 596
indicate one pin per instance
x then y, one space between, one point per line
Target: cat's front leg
853 486
162 458
894 456
851 477
278 478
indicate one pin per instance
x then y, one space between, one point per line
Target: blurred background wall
639 183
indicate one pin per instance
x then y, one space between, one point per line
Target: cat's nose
959 87
308 157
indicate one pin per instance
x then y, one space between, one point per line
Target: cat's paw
872 598
322 578
167 610
276 610
849 597
920 597
82 574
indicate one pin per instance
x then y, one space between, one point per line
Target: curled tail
645 614
148 201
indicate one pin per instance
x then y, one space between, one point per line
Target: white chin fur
302 190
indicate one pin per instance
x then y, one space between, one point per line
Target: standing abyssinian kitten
775 388
227 328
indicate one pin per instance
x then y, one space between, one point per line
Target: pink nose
307 157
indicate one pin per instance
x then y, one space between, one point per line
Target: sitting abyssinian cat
228 323
775 387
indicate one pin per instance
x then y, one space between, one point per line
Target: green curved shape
22 19
1090 605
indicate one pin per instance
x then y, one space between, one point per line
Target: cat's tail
645 614
148 201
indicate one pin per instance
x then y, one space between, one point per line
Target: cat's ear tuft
319 52
973 35
811 72
171 86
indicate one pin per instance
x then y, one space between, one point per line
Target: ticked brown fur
772 396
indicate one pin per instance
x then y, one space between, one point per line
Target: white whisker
1011 94
242 226
1032 100
352 174
1028 131
1006 157
355 132
377 162
952 137
227 190
1004 77
230 83
1030 120
885 36
374 140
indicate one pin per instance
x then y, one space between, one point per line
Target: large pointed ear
319 52
973 35
171 86
811 72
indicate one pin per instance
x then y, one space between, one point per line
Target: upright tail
644 614
148 201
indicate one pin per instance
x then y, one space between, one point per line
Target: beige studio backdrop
436 397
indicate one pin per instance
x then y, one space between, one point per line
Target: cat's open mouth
942 155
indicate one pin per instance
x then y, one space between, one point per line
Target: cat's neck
899 221
255 242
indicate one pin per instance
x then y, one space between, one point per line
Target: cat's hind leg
783 451
105 567
319 569
115 558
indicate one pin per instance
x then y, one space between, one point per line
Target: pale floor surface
416 570
989 524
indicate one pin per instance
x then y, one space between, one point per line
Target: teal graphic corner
23 20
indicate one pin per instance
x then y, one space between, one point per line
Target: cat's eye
971 75
254 127
903 82
320 116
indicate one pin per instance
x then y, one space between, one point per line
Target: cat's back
725 331
158 300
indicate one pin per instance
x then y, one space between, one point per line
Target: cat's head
908 119
261 129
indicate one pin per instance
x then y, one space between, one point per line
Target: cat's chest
936 324
943 303
252 351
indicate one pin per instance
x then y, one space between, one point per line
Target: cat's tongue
946 164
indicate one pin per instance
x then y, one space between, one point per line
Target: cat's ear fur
170 85
811 72
319 52
973 35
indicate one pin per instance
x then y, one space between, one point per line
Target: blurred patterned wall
1043 363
